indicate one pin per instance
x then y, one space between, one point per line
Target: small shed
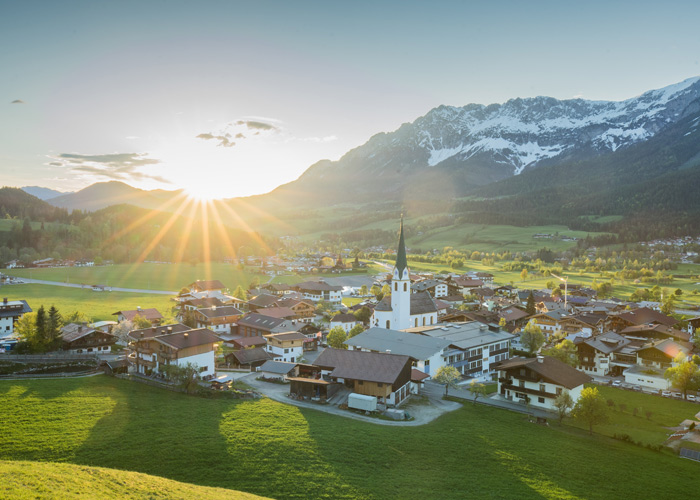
278 370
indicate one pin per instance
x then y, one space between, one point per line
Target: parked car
666 394
678 395
691 397
616 383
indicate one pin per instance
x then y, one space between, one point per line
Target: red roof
418 376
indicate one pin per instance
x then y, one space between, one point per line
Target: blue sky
153 84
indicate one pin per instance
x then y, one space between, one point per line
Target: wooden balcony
527 390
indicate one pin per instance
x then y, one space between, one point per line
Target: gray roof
424 285
247 356
608 342
14 308
421 303
465 335
218 312
274 325
281 367
360 365
418 347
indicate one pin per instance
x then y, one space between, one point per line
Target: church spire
401 262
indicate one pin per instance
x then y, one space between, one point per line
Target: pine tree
530 305
53 327
41 326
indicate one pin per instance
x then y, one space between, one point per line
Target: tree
363 290
502 322
668 306
685 375
186 375
530 305
532 338
363 314
563 403
188 319
476 389
556 292
696 339
375 290
386 290
523 274
239 293
336 337
77 317
448 375
355 330
590 408
141 322
564 351
25 327
122 329
54 324
41 326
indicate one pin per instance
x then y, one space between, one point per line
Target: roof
278 312
607 342
401 261
417 375
317 286
190 338
73 331
249 341
424 285
644 315
291 302
219 312
466 282
344 318
247 356
421 303
287 336
360 365
204 302
14 308
513 314
281 367
464 335
667 346
263 300
153 331
150 314
550 368
264 322
207 285
665 330
555 314
418 347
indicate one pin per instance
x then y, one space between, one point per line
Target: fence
49 375
40 358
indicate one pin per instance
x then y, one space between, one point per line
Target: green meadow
281 451
99 306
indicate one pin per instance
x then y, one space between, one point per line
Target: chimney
170 329
153 329
540 358
80 328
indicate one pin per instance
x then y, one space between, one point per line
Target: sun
202 192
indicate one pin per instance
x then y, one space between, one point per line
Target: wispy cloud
240 130
18 101
115 166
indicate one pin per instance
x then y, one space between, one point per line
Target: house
247 342
653 359
596 354
435 288
278 312
221 319
303 310
82 339
474 348
198 303
513 316
248 359
345 321
151 315
636 317
206 286
655 331
320 290
465 284
583 322
549 322
192 346
277 370
539 380
10 312
384 376
427 353
289 346
261 301
257 325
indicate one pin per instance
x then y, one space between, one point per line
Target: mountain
17 203
41 192
105 194
464 148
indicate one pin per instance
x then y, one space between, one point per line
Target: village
410 337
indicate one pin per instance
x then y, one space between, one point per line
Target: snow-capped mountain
478 144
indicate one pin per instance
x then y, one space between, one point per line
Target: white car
666 394
616 383
690 397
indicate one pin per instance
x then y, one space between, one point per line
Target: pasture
271 449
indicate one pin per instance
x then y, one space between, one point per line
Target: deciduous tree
563 403
448 375
564 351
532 338
685 376
355 330
336 337
590 408
477 389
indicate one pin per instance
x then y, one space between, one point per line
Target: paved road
111 288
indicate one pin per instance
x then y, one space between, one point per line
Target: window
543 388
396 287
360 382
540 400
286 351
423 320
415 321
388 324
405 287
521 383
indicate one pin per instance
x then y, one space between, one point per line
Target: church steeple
401 261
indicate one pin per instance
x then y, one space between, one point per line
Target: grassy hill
282 451
25 480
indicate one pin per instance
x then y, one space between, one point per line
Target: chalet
81 339
487 278
278 289
655 331
345 321
206 286
151 315
597 354
248 359
539 380
192 346
303 310
278 312
192 304
289 346
474 348
257 325
435 288
586 323
653 360
247 343
10 312
549 322
465 284
641 316
261 301
153 331
513 316
222 319
384 376
319 290
428 354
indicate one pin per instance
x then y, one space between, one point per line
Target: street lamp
565 280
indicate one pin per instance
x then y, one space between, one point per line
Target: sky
228 98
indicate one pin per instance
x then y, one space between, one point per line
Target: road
111 288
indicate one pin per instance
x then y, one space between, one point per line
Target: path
87 287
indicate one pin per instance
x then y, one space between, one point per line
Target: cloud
115 166
223 139
236 130
18 101
255 125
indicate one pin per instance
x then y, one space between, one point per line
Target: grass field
31 480
282 451
99 306
145 275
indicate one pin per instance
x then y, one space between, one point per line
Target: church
403 309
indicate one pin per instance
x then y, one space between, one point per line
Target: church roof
401 261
